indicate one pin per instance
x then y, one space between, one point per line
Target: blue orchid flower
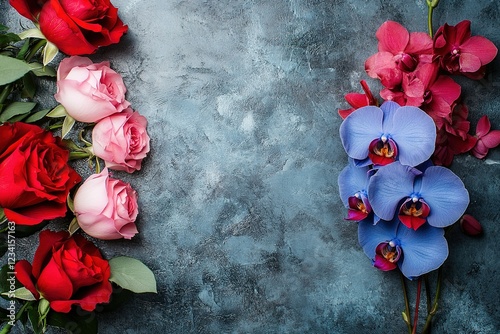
390 244
353 189
435 195
379 136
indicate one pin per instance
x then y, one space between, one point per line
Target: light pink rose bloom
106 208
121 140
88 91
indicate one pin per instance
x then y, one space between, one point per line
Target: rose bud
470 225
106 208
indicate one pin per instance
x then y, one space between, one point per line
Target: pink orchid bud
470 225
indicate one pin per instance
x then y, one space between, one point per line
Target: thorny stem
433 311
407 303
417 305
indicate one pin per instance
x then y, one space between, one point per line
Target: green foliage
132 274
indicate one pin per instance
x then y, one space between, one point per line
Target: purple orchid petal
415 134
389 108
351 180
424 250
359 129
388 187
446 195
371 236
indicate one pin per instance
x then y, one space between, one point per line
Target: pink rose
121 140
89 92
106 208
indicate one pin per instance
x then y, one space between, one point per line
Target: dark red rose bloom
76 27
66 271
460 53
35 178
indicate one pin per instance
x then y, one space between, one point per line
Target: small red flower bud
470 226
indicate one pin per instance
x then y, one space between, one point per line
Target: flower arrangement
69 278
397 185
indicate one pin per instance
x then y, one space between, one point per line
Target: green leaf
6 39
132 274
34 32
42 71
20 293
34 318
57 112
37 116
74 322
29 86
12 69
68 124
16 108
49 52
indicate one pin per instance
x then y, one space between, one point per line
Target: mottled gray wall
240 216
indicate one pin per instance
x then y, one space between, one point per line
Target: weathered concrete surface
240 216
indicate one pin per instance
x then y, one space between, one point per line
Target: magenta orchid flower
486 138
391 244
353 189
459 52
358 100
399 52
425 88
436 196
453 138
373 135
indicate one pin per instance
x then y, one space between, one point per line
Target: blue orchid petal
424 250
415 135
370 236
351 180
359 129
446 195
389 108
388 187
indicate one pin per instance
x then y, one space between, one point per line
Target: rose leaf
132 274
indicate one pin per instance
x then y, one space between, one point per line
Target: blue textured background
240 219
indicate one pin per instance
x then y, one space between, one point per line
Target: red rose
35 178
76 27
66 271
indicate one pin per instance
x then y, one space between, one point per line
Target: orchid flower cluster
69 278
397 185
416 70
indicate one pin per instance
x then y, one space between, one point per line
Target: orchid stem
429 20
427 293
417 305
407 304
433 311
